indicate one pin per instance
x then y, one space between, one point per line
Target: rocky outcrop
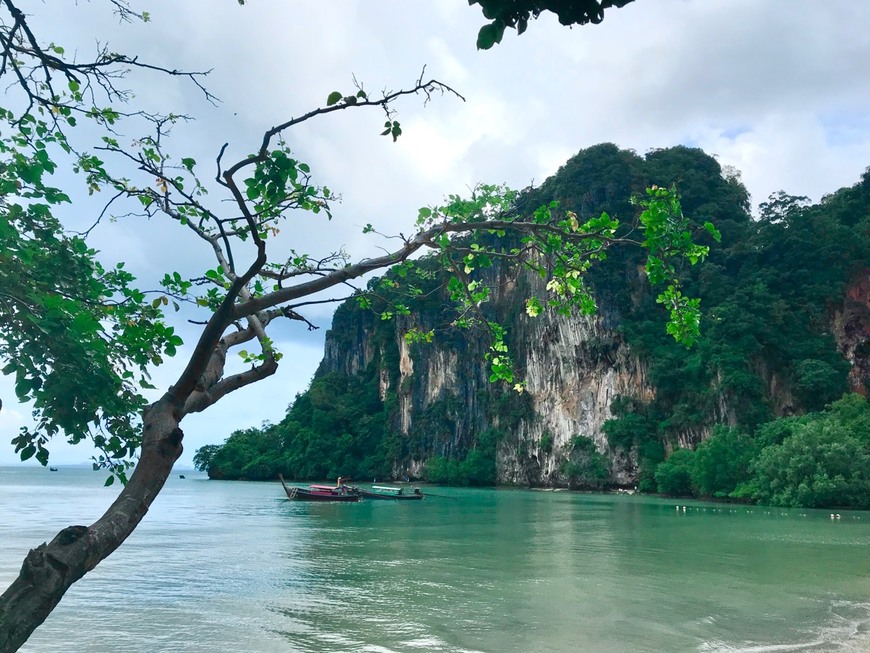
851 324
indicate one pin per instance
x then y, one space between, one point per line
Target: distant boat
319 493
387 492
181 476
52 469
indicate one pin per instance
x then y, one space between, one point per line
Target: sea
235 566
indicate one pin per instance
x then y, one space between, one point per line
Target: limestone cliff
786 330
573 368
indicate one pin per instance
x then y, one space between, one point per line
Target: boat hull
301 494
322 495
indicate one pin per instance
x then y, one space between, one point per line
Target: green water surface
236 567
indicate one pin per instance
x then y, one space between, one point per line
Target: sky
780 91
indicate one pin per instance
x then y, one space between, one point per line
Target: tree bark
50 569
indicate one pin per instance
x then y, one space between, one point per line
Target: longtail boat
388 492
319 493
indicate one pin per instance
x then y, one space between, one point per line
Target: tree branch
199 401
427 88
422 239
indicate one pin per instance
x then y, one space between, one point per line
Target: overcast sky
779 90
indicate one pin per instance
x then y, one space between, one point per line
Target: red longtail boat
319 493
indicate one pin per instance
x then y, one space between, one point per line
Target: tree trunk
50 569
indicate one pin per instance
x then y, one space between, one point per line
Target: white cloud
10 421
790 152
447 63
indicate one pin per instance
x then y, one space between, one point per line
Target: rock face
442 398
573 373
851 323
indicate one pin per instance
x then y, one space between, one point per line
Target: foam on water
847 630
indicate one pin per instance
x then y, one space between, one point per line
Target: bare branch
115 197
427 88
199 401
36 66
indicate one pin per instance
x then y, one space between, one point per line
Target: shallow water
236 567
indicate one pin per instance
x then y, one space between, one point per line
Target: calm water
236 567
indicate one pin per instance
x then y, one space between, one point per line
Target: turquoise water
236 567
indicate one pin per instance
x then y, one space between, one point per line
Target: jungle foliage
767 290
340 427
816 460
583 465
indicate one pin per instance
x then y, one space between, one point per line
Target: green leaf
22 388
489 35
717 236
334 98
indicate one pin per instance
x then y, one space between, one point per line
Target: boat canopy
387 488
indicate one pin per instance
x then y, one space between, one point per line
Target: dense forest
755 410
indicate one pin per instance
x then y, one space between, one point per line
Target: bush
777 431
437 470
584 466
546 443
674 475
478 468
852 414
650 454
816 467
722 462
818 382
